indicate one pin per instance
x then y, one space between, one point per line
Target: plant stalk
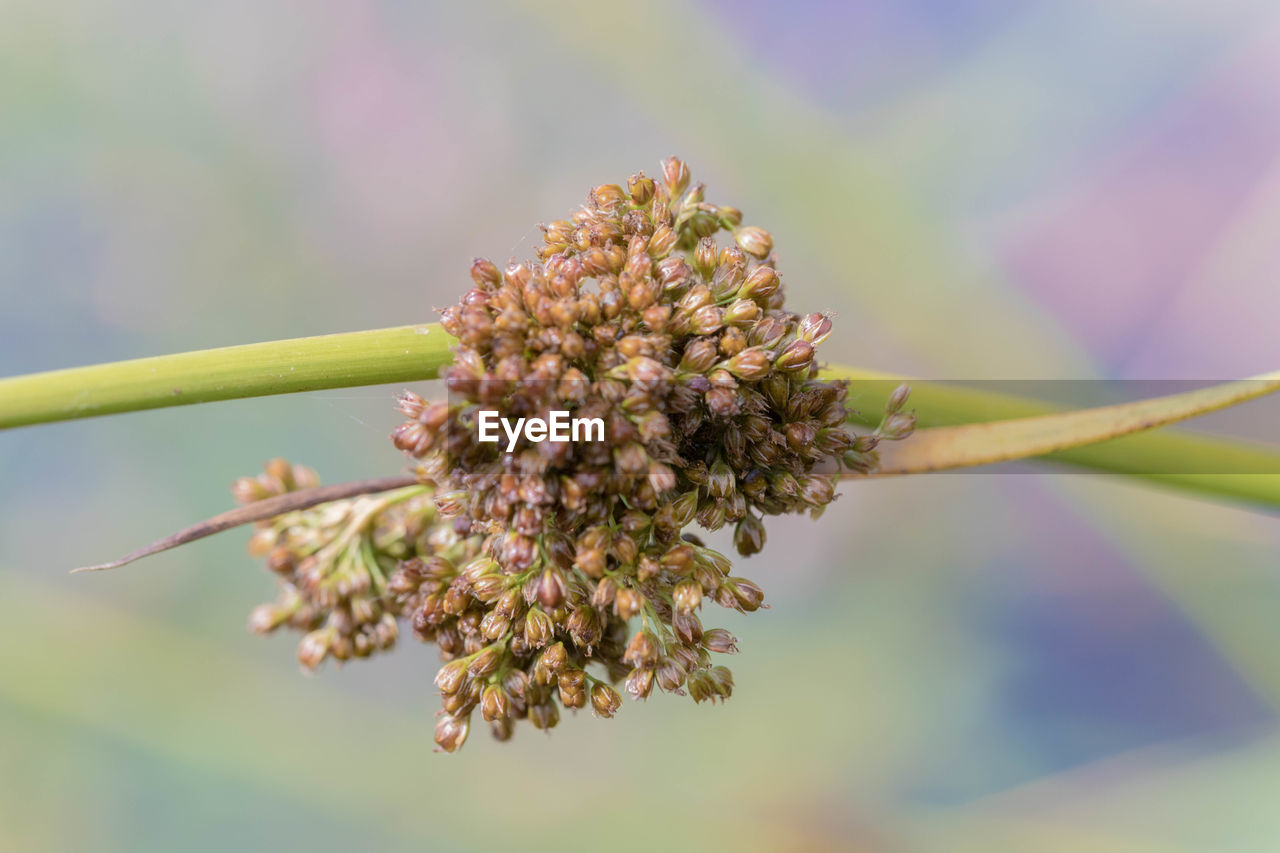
416 353
402 354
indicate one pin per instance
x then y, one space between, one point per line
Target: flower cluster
332 562
550 573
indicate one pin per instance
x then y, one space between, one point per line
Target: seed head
660 313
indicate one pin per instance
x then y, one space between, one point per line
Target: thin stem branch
260 511
402 354
1201 464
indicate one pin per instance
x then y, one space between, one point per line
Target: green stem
1249 472
403 354
414 353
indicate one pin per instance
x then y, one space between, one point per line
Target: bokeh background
982 190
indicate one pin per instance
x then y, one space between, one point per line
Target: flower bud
451 503
748 536
721 481
898 426
538 628
584 626
486 661
762 283
485 273
897 399
604 593
551 588
707 320
754 241
750 365
265 618
817 490
494 626
554 658
451 732
314 647
628 602
719 640
705 257
746 595
640 188
742 312
608 196
643 649
675 174
452 676
687 595
814 328
699 356
687 627
640 682
796 357
494 703
605 701
662 242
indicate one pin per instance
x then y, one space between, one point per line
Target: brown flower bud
817 490
494 626
675 175
705 257
898 426
452 676
670 676
750 365
687 626
814 328
604 593
605 701
584 626
742 312
721 481
748 536
747 596
485 273
707 320
608 196
640 188
265 618
719 640
640 682
451 503
754 241
699 356
451 732
662 242
628 602
494 703
796 357
314 647
551 588
487 661
643 650
538 628
554 658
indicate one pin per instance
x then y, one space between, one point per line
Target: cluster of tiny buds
556 575
332 561
635 314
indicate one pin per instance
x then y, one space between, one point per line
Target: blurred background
981 189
